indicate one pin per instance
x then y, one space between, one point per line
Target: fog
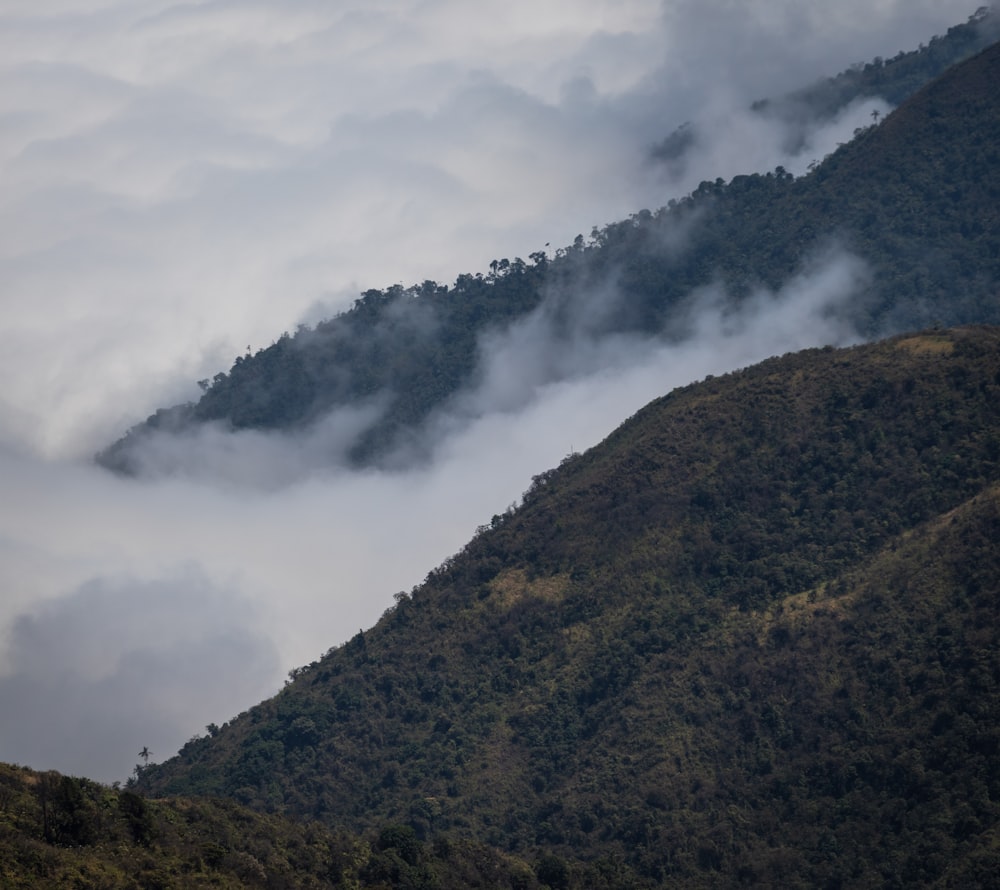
182 181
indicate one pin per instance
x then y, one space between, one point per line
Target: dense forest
63 831
914 196
751 637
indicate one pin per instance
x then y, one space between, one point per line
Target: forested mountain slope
751 637
915 197
894 80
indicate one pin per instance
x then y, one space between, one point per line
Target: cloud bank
182 180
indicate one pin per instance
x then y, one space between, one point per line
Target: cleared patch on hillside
513 585
927 344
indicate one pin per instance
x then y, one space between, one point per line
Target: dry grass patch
513 584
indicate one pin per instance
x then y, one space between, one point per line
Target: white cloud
180 180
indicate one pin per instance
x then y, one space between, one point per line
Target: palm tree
145 754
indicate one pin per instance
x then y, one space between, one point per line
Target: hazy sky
182 180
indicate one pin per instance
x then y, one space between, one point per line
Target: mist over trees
893 80
913 196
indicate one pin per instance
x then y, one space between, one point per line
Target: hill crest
678 623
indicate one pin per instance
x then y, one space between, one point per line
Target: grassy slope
754 633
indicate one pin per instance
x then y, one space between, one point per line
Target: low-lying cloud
529 368
218 456
143 610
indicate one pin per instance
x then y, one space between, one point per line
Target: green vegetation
915 197
59 831
751 637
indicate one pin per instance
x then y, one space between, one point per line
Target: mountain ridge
914 198
577 677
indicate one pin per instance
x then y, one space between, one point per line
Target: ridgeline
751 637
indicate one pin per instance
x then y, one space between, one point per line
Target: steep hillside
751 637
915 197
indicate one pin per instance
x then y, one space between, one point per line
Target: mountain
914 197
752 637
